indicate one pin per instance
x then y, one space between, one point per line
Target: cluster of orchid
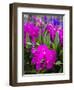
43 36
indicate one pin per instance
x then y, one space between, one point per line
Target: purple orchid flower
56 21
52 31
31 30
60 33
45 19
44 58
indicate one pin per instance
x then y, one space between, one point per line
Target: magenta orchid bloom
60 33
52 31
44 58
31 30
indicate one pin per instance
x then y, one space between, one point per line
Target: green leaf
61 70
58 63
28 43
61 52
45 33
33 71
43 71
54 46
46 39
37 43
39 40
56 41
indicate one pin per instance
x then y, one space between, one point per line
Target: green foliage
28 43
58 63
55 44
56 40
46 39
